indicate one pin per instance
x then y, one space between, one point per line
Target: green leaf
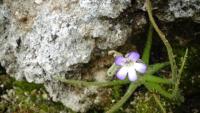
155 79
176 89
156 67
182 65
154 87
80 83
147 49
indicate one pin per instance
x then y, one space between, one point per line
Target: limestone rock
44 40
184 8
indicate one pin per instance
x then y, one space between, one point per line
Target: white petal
121 74
140 67
132 74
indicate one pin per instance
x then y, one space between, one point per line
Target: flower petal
121 74
120 60
132 76
134 56
140 67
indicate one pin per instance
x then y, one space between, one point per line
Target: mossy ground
24 97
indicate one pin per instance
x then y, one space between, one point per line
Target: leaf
81 83
132 87
147 48
154 87
156 67
155 79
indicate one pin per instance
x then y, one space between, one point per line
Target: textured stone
184 8
180 9
169 10
54 37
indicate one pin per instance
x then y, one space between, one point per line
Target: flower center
129 62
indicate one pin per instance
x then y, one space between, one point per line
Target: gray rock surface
181 9
184 8
41 39
47 38
169 10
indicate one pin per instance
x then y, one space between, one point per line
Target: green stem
112 70
159 103
165 41
128 93
80 83
146 53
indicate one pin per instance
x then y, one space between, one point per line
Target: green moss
24 97
145 103
23 85
116 92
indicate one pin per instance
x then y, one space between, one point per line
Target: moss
116 92
145 103
25 86
24 97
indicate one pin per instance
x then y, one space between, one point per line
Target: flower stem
159 103
80 83
165 41
128 93
112 70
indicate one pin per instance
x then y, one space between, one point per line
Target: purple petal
140 67
132 76
120 60
121 74
134 56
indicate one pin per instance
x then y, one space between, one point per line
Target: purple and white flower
130 65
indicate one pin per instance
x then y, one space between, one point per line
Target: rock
180 9
184 8
169 10
55 37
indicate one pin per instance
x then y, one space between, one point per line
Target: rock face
184 8
40 39
45 38
169 10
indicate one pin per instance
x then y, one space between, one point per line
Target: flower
130 65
